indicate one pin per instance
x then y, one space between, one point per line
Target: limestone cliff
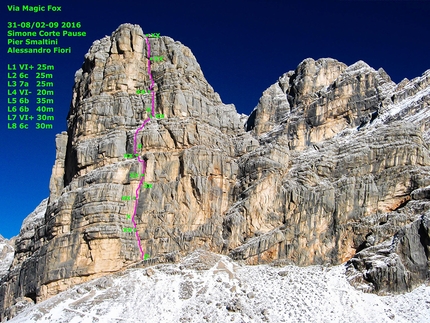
6 255
331 166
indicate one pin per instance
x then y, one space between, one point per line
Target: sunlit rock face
332 166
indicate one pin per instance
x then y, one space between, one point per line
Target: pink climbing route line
142 179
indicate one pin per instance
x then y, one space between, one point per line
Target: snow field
227 292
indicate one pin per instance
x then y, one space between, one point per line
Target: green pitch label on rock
136 175
139 91
128 198
153 35
130 155
157 58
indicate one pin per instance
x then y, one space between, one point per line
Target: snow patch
34 218
228 292
6 255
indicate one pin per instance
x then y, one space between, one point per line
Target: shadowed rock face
332 165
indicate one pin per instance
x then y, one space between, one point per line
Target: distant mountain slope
6 255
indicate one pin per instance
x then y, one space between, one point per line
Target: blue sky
241 46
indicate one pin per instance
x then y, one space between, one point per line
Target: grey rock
421 193
396 265
200 260
104 283
234 305
150 272
81 290
186 290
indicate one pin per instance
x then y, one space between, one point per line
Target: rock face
331 166
6 255
17 251
399 263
